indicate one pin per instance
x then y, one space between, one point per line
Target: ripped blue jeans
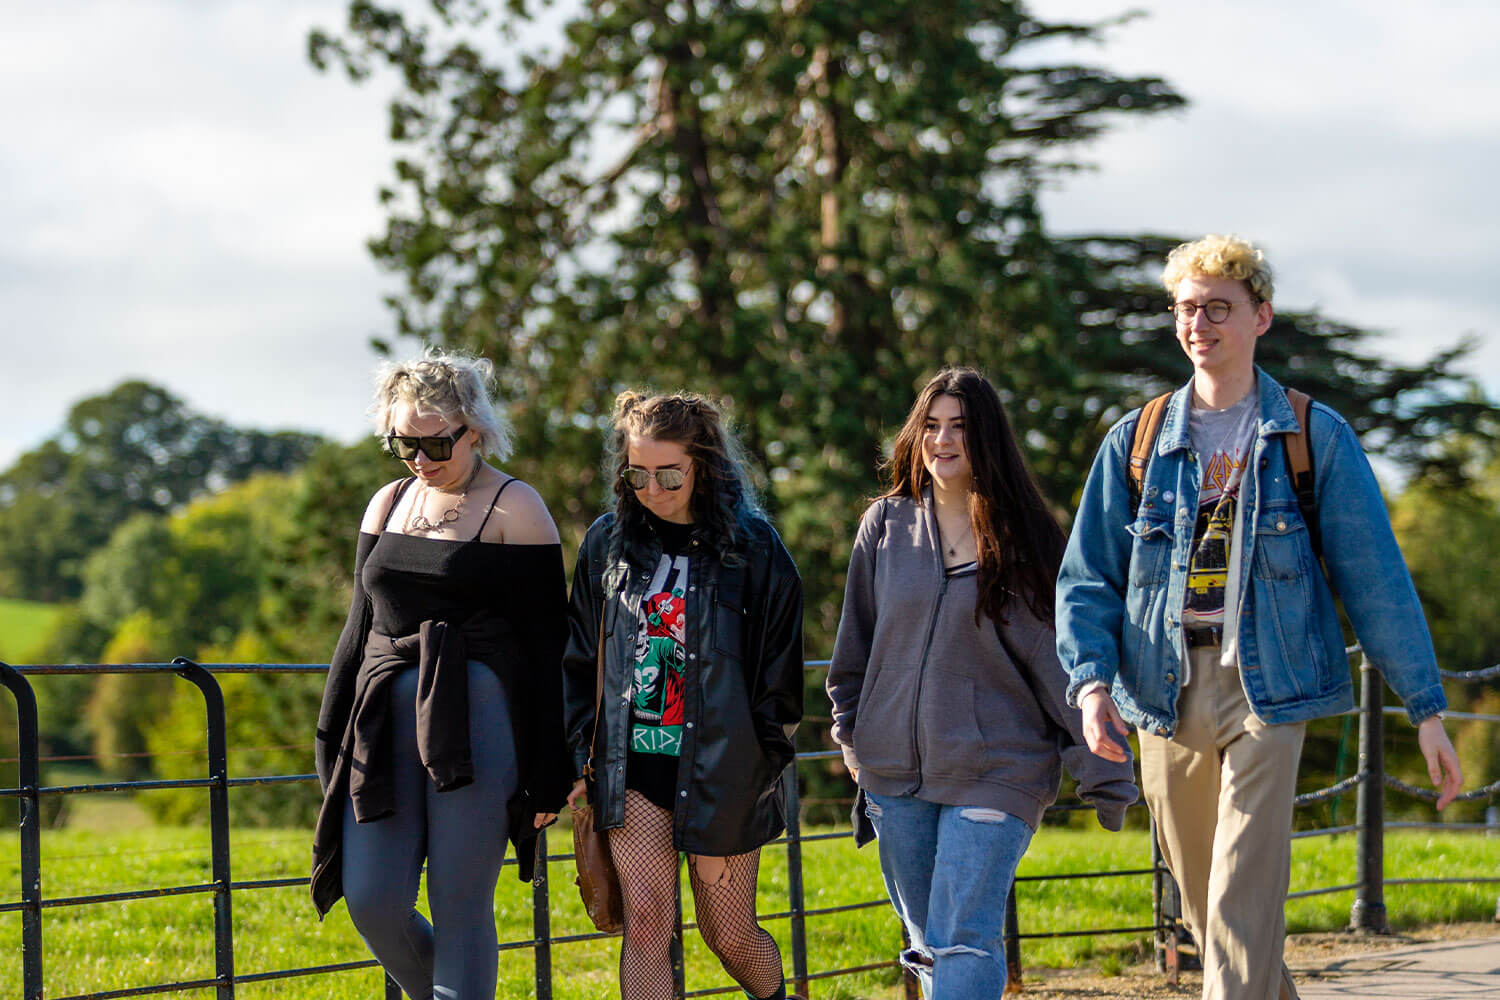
948 870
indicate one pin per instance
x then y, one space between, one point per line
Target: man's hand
543 819
1442 763
1101 720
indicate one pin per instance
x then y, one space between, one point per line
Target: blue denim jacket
1123 581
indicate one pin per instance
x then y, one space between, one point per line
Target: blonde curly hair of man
1220 257
453 386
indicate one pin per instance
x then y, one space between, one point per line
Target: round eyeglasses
1217 310
668 479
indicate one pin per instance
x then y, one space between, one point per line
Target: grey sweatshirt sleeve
851 647
1108 786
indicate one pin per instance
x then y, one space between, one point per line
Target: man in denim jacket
1202 617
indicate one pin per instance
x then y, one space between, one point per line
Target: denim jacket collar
1276 415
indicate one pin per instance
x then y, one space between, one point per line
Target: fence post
541 920
1166 911
1012 943
218 821
28 774
1368 912
795 888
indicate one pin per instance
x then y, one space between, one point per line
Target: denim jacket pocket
1150 552
1284 575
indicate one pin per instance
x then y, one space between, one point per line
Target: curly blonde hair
1220 257
453 386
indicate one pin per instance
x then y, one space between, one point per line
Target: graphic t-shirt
1224 441
656 707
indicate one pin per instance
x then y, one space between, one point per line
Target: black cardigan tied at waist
440 652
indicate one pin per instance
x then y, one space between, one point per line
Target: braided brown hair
722 494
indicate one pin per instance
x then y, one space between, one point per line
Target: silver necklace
417 523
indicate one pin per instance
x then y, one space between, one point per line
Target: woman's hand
1101 721
544 819
578 790
1442 762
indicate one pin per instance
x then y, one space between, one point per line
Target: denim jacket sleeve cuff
1082 678
1426 703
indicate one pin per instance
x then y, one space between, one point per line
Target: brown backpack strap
1299 460
1147 429
1299 445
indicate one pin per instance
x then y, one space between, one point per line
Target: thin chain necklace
417 523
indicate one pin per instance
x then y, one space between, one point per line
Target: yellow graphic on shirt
1208 572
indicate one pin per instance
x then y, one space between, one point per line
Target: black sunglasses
438 447
668 479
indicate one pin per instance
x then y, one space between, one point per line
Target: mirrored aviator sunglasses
437 447
668 479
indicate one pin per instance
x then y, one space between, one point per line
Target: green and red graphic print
657 705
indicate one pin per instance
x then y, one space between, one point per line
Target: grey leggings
462 835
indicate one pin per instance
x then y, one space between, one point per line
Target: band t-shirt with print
1224 440
656 704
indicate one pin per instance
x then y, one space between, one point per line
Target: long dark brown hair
722 494
1019 542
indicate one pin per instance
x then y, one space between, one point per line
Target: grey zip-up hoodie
936 707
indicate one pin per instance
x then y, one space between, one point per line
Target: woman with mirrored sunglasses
697 607
440 733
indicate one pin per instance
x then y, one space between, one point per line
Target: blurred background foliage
802 208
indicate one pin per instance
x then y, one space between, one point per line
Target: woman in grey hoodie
947 694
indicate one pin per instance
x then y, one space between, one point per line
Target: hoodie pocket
885 724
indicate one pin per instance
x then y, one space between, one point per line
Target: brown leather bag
598 882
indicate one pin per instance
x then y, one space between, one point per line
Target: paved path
1438 971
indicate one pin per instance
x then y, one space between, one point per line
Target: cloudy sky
183 199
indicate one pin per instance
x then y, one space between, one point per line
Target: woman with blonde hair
441 731
698 608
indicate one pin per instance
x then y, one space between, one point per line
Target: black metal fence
1368 912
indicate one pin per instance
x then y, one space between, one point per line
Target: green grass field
23 626
134 944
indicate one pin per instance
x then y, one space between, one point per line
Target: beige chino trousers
1221 790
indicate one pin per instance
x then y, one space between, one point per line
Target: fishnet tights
723 897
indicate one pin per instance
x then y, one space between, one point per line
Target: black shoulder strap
492 506
1147 430
390 509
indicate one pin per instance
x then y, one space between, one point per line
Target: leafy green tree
167 587
136 449
1448 526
